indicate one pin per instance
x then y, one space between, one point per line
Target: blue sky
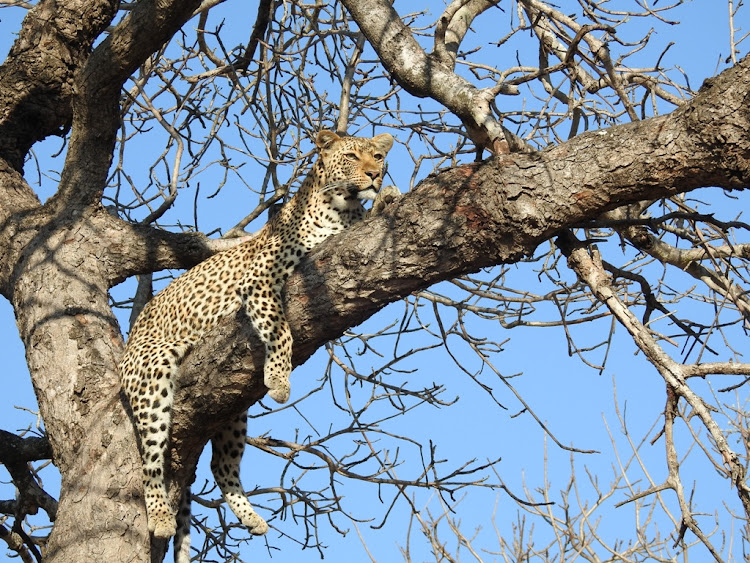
577 403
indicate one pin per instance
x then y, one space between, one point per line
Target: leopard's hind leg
148 378
182 537
228 446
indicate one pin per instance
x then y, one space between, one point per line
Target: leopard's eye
378 156
351 156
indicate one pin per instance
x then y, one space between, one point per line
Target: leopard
249 276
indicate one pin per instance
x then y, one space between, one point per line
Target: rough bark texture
471 217
56 269
423 74
53 43
60 259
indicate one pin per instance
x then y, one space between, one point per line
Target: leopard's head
351 168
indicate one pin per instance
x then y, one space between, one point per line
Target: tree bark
73 343
468 218
53 43
56 266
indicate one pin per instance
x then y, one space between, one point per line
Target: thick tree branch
14 448
142 249
96 108
428 76
471 217
15 453
53 43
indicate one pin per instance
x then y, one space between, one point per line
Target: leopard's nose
373 174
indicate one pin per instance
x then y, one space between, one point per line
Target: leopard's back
197 300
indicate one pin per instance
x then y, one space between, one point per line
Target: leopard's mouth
350 191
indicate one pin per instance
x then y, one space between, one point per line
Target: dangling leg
266 312
149 392
228 445
278 363
182 537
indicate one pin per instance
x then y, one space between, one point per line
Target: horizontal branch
470 217
142 249
14 449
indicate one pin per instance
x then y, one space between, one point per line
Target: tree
599 151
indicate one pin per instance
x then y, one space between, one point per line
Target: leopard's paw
255 524
386 196
280 394
161 523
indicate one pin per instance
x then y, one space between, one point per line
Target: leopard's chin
369 194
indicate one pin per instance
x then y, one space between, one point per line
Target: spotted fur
252 274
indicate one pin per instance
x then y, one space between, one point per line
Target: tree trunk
73 343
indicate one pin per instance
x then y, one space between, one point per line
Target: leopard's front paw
386 196
255 524
280 394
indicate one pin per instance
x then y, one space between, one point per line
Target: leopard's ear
383 142
325 139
